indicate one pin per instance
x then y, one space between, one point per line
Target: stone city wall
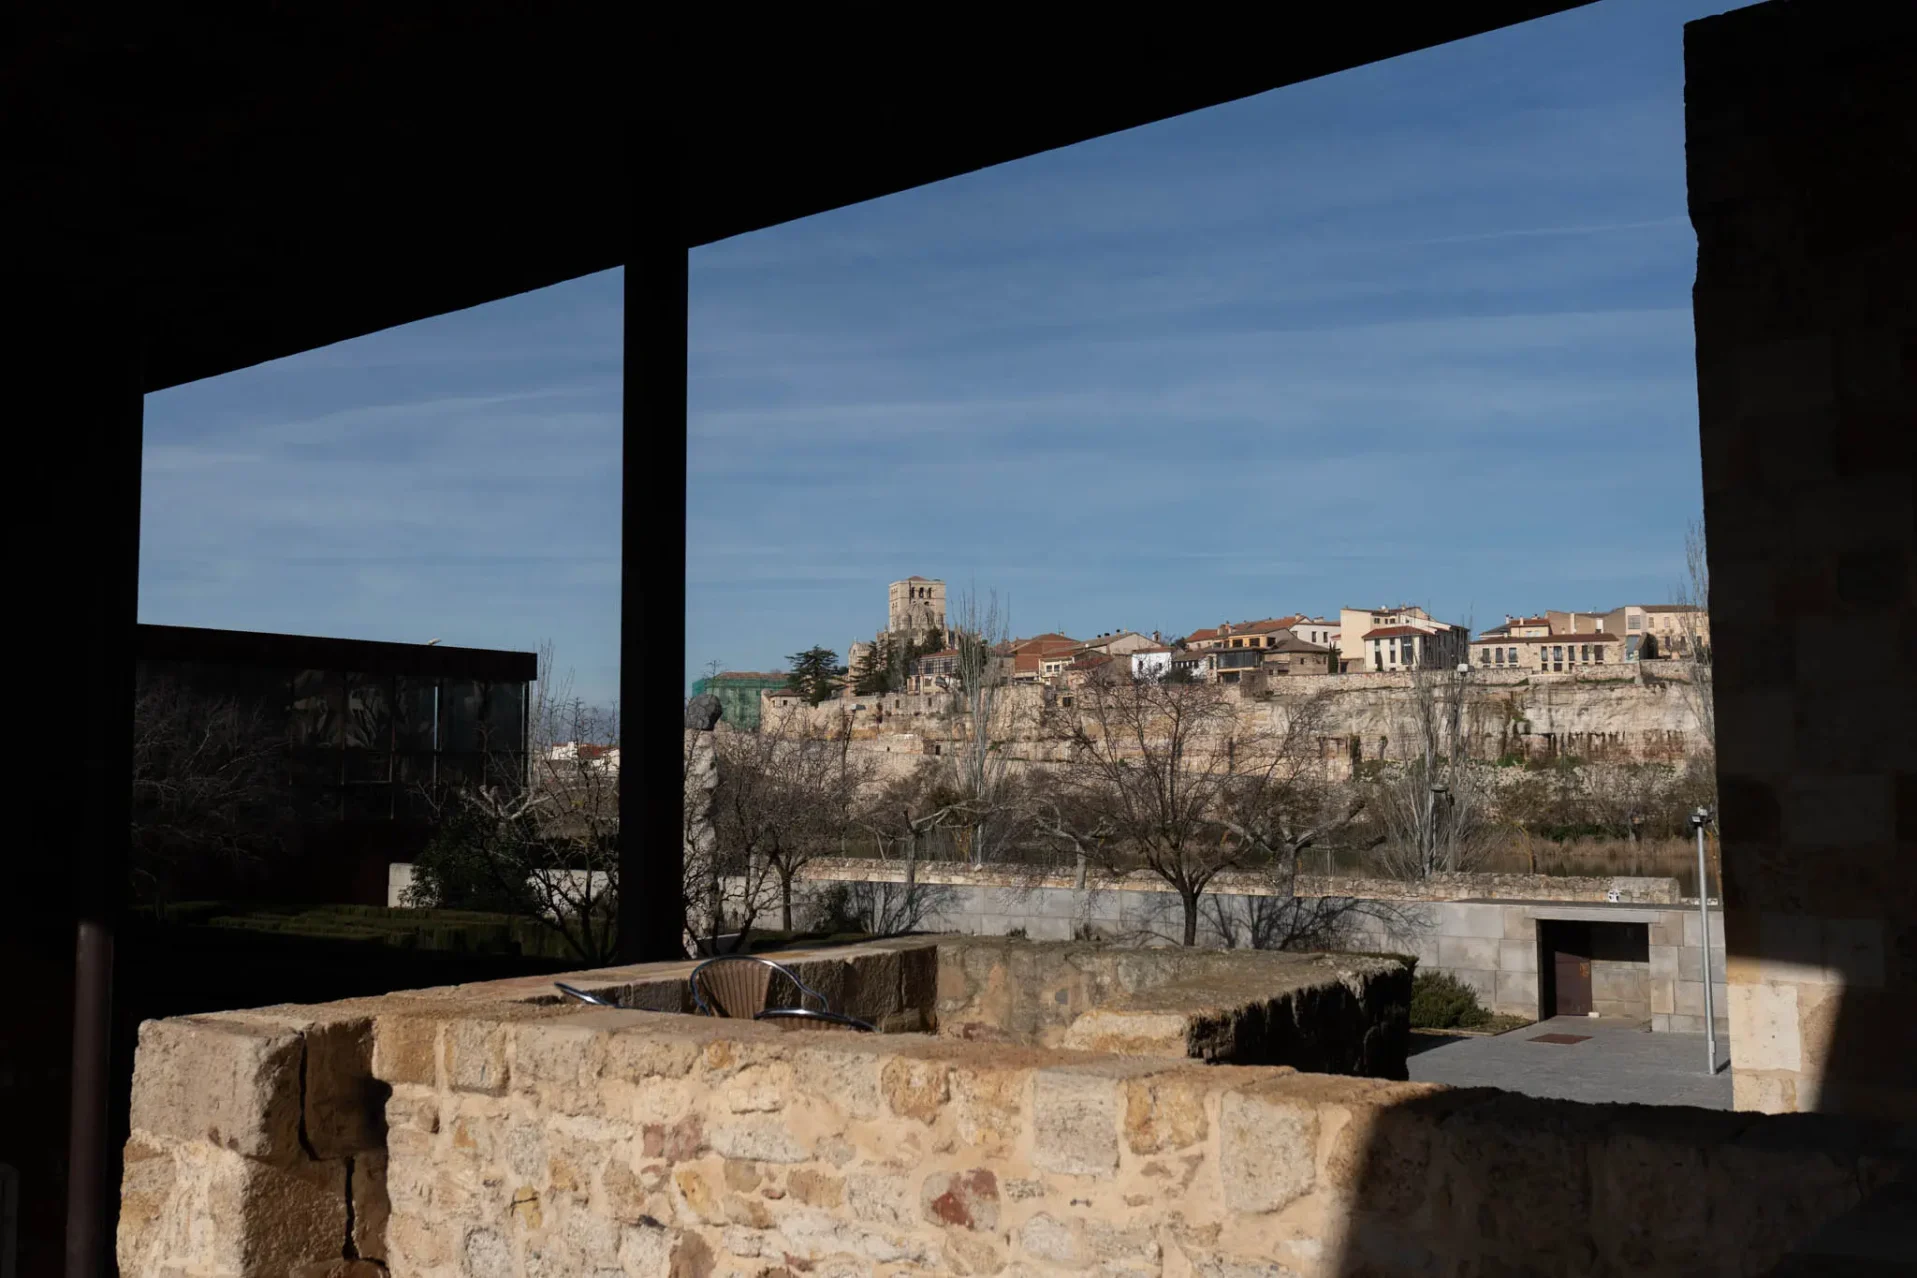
477 1132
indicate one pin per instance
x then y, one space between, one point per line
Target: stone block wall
646 1145
1800 121
1335 1014
490 1132
528 1140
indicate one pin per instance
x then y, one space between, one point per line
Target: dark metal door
1573 973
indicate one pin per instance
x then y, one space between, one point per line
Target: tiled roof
1596 637
1392 632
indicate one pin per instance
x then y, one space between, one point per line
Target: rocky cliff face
1368 718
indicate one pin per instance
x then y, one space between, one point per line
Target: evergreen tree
872 676
813 673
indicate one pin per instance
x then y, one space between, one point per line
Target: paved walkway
1617 1061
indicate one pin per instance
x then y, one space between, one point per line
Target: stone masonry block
1517 956
919 977
1468 952
1487 1149
406 1050
1462 920
1520 924
1764 1020
345 1106
1075 1119
233 1085
1664 962
1517 993
1267 1148
200 1209
342 1106
476 1056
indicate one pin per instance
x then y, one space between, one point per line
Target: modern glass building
370 733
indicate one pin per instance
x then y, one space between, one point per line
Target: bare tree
1434 806
784 799
1695 595
902 817
1280 814
982 629
1157 770
548 846
1621 798
209 787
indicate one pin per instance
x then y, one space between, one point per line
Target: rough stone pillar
701 780
1803 191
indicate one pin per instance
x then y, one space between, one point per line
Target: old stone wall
1480 928
472 1132
1799 123
1460 886
1333 1014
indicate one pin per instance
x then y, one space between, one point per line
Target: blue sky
1417 332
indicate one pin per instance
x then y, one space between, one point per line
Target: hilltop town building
1401 638
1292 655
1548 654
1359 627
1151 663
1242 634
914 606
1031 656
1659 630
1323 631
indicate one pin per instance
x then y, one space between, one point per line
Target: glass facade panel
369 712
416 714
462 705
316 715
506 716
366 767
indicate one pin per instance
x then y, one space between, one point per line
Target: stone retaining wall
1334 1014
478 1132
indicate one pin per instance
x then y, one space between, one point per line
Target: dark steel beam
653 542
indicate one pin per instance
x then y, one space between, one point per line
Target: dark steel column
75 384
653 547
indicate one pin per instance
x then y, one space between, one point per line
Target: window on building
1634 623
1600 655
1587 652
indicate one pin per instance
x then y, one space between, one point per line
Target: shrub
1441 1001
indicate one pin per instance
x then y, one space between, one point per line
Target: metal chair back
743 985
806 1018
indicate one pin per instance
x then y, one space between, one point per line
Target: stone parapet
490 1130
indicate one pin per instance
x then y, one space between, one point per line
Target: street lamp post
1699 819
